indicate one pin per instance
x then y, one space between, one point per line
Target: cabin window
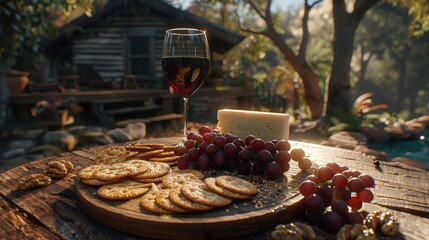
139 57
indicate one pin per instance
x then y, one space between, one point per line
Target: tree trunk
337 88
401 65
313 94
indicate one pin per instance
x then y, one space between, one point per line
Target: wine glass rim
185 31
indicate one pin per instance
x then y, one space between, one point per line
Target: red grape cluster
334 194
211 149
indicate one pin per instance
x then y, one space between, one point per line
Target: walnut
68 165
33 180
293 231
55 169
355 232
387 223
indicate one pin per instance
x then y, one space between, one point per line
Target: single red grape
282 156
355 203
314 204
203 130
208 137
274 170
326 192
334 166
308 187
340 206
220 141
297 154
229 137
183 162
257 145
191 136
211 149
239 144
248 139
354 217
313 178
367 180
355 185
204 162
283 145
339 180
304 164
271 148
246 155
264 156
366 195
180 150
324 174
189 144
331 222
194 154
285 166
230 149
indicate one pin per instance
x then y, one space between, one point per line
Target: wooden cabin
126 38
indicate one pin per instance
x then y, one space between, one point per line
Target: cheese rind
264 125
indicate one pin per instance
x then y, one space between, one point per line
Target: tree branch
258 11
248 30
360 8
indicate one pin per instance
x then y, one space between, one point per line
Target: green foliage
362 114
26 23
419 11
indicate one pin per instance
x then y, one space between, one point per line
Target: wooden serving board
277 202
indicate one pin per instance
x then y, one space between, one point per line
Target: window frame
150 56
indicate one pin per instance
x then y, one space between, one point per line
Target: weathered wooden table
52 212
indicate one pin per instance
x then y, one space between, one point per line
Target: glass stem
185 118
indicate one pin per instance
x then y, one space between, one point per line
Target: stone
13 153
397 133
24 143
411 162
64 139
375 134
136 130
35 133
348 139
119 135
365 150
102 140
47 149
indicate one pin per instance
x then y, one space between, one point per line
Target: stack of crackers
162 190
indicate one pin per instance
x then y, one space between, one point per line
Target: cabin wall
104 45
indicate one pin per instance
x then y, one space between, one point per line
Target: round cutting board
277 201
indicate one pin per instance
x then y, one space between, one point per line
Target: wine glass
185 62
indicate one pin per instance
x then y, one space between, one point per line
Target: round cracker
156 170
211 185
114 171
95 182
147 202
138 166
198 192
162 200
177 179
88 172
177 198
236 184
123 190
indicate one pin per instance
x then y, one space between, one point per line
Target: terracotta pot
17 81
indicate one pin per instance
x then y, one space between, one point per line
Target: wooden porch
146 104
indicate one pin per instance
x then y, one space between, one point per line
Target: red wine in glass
185 74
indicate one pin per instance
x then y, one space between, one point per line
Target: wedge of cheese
264 125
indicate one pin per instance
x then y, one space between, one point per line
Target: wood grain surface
52 212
